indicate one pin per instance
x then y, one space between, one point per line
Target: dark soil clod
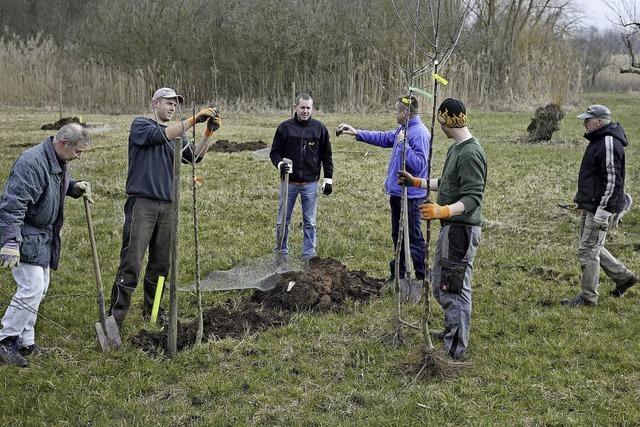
226 146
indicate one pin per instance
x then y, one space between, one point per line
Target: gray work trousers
451 282
592 255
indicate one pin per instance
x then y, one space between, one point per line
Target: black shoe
31 349
162 320
577 301
621 289
9 353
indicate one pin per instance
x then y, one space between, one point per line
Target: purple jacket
417 154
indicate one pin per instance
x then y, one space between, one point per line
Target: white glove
617 217
84 188
601 218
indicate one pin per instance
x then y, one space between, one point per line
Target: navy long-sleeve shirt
151 160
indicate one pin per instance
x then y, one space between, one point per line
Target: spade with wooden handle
106 327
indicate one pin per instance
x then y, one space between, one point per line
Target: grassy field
535 362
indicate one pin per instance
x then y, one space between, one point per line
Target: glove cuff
417 182
208 132
191 121
328 181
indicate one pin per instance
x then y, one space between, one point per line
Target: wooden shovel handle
96 263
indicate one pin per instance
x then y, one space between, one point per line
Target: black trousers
147 224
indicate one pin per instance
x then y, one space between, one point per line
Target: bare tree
628 20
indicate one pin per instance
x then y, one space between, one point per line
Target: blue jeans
416 240
20 318
309 198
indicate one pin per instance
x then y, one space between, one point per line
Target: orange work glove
434 211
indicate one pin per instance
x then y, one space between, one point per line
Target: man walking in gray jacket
31 217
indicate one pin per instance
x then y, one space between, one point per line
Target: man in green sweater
459 209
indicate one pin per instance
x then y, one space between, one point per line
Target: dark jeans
147 224
416 240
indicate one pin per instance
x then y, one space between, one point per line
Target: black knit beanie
452 113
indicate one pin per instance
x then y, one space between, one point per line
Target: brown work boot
622 288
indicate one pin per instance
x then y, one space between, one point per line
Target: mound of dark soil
63 121
226 146
325 285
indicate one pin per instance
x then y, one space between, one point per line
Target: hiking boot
30 349
622 288
577 301
9 353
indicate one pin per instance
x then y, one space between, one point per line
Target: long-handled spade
284 194
106 327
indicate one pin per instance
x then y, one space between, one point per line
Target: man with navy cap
148 210
600 195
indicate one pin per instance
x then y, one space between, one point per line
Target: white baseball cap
167 92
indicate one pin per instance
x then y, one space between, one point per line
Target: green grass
534 362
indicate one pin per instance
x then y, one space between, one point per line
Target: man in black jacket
600 194
300 147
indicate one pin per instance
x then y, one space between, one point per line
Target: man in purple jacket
417 153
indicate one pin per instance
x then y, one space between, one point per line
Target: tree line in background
109 55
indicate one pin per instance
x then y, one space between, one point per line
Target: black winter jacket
601 177
307 144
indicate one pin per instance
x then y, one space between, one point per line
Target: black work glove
285 166
327 186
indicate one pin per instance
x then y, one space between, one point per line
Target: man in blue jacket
600 195
417 152
149 206
31 217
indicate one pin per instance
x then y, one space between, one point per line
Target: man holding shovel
31 217
416 155
300 148
149 206
459 209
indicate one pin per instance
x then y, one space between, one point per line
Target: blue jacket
32 204
151 160
417 154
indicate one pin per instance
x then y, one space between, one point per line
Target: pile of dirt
226 146
62 122
325 285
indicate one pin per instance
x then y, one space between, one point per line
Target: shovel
106 327
284 194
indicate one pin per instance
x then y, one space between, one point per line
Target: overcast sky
596 13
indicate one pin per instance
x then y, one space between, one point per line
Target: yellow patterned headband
451 120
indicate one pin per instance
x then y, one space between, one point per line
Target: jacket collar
52 157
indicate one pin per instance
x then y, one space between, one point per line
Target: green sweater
463 179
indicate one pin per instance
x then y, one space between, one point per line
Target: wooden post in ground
172 332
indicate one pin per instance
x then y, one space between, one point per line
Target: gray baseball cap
167 92
596 111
